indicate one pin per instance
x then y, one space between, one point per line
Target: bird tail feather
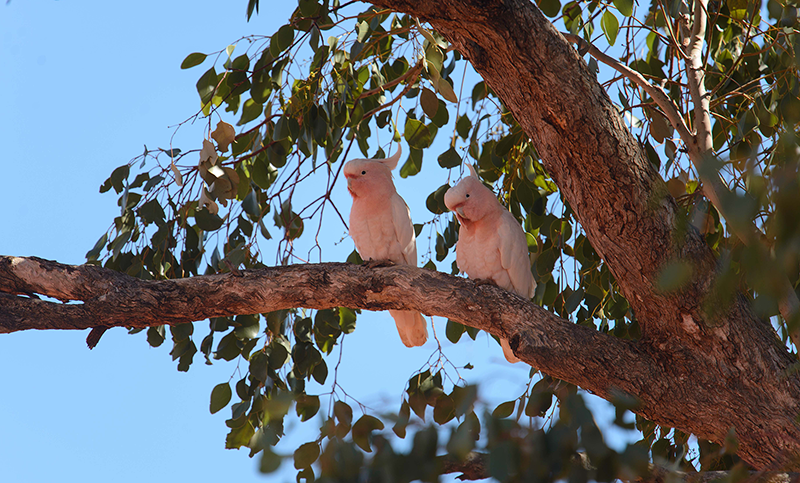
510 357
411 326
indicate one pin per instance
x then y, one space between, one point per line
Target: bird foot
378 263
483 281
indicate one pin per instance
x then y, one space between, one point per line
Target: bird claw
484 281
378 263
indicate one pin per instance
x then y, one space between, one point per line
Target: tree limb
610 367
112 299
475 467
658 95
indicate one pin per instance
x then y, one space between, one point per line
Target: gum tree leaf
193 59
207 221
446 90
305 455
454 330
625 7
307 407
220 396
504 410
429 102
449 158
417 134
206 85
362 431
610 26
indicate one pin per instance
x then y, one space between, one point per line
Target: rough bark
474 467
701 372
630 219
671 388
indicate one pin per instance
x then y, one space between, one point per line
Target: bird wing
404 230
514 255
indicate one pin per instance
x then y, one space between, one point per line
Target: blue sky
86 85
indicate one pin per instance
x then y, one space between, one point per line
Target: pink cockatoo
380 225
491 244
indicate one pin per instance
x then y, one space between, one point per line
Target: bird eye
467 195
363 172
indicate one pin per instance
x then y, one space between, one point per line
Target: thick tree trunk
700 373
727 369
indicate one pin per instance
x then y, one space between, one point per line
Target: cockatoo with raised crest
491 244
380 225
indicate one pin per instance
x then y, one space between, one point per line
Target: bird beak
460 211
350 185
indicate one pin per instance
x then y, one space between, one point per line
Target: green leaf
540 400
279 353
344 414
239 436
258 366
446 90
479 92
433 205
306 455
307 407
625 7
151 212
320 372
413 164
270 462
94 253
250 205
308 8
220 396
449 158
250 111
463 126
504 410
399 427
155 336
429 102
193 59
444 410
417 134
347 320
206 85
442 117
181 331
610 26
362 431
207 221
248 326
116 179
454 330
551 8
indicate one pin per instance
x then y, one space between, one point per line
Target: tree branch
658 95
111 299
475 467
695 75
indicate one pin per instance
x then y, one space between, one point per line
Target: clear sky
85 85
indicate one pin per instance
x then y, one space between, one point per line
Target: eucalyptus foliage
336 80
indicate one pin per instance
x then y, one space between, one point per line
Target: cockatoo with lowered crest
491 244
380 225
